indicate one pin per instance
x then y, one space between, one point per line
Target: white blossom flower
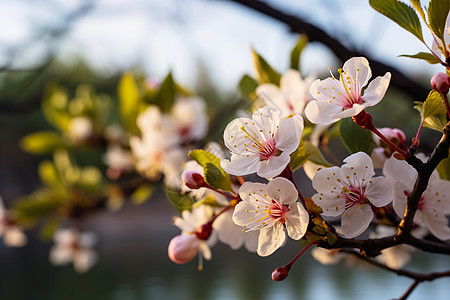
231 234
72 246
327 257
13 235
434 204
337 99
268 208
290 97
189 118
350 191
261 144
184 247
118 158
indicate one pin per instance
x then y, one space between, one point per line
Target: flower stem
289 265
236 196
391 144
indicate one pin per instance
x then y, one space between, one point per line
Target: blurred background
206 45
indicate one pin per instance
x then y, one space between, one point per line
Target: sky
158 36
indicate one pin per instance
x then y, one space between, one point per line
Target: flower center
277 211
351 88
353 195
265 147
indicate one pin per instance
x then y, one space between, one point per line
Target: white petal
228 232
356 220
251 240
244 213
60 255
358 166
240 165
358 67
282 190
297 220
287 137
273 166
437 224
84 260
349 112
400 171
252 187
400 200
380 192
376 89
272 96
14 237
327 179
270 239
205 251
331 206
311 169
319 112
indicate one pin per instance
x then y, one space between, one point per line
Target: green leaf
306 151
264 72
129 100
166 94
216 178
430 58
30 209
247 87
42 142
142 193
311 206
54 108
354 137
50 176
401 13
297 51
331 238
49 228
179 201
444 169
417 6
214 175
437 16
433 111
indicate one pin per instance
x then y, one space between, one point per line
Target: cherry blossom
195 237
350 191
190 119
261 144
337 99
269 208
434 204
13 235
290 97
73 246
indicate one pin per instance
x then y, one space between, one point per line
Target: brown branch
315 34
424 172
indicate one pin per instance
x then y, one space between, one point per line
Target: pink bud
183 248
440 83
193 180
205 231
280 274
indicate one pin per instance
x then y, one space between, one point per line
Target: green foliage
208 200
142 193
129 100
355 138
430 58
166 93
264 72
297 51
444 169
179 201
433 111
247 87
50 176
42 142
401 13
30 209
54 107
306 151
417 6
49 228
214 175
437 16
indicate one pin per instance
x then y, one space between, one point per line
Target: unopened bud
183 248
193 180
280 274
205 231
440 83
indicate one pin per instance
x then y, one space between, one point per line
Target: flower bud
205 231
183 248
440 83
280 274
193 180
